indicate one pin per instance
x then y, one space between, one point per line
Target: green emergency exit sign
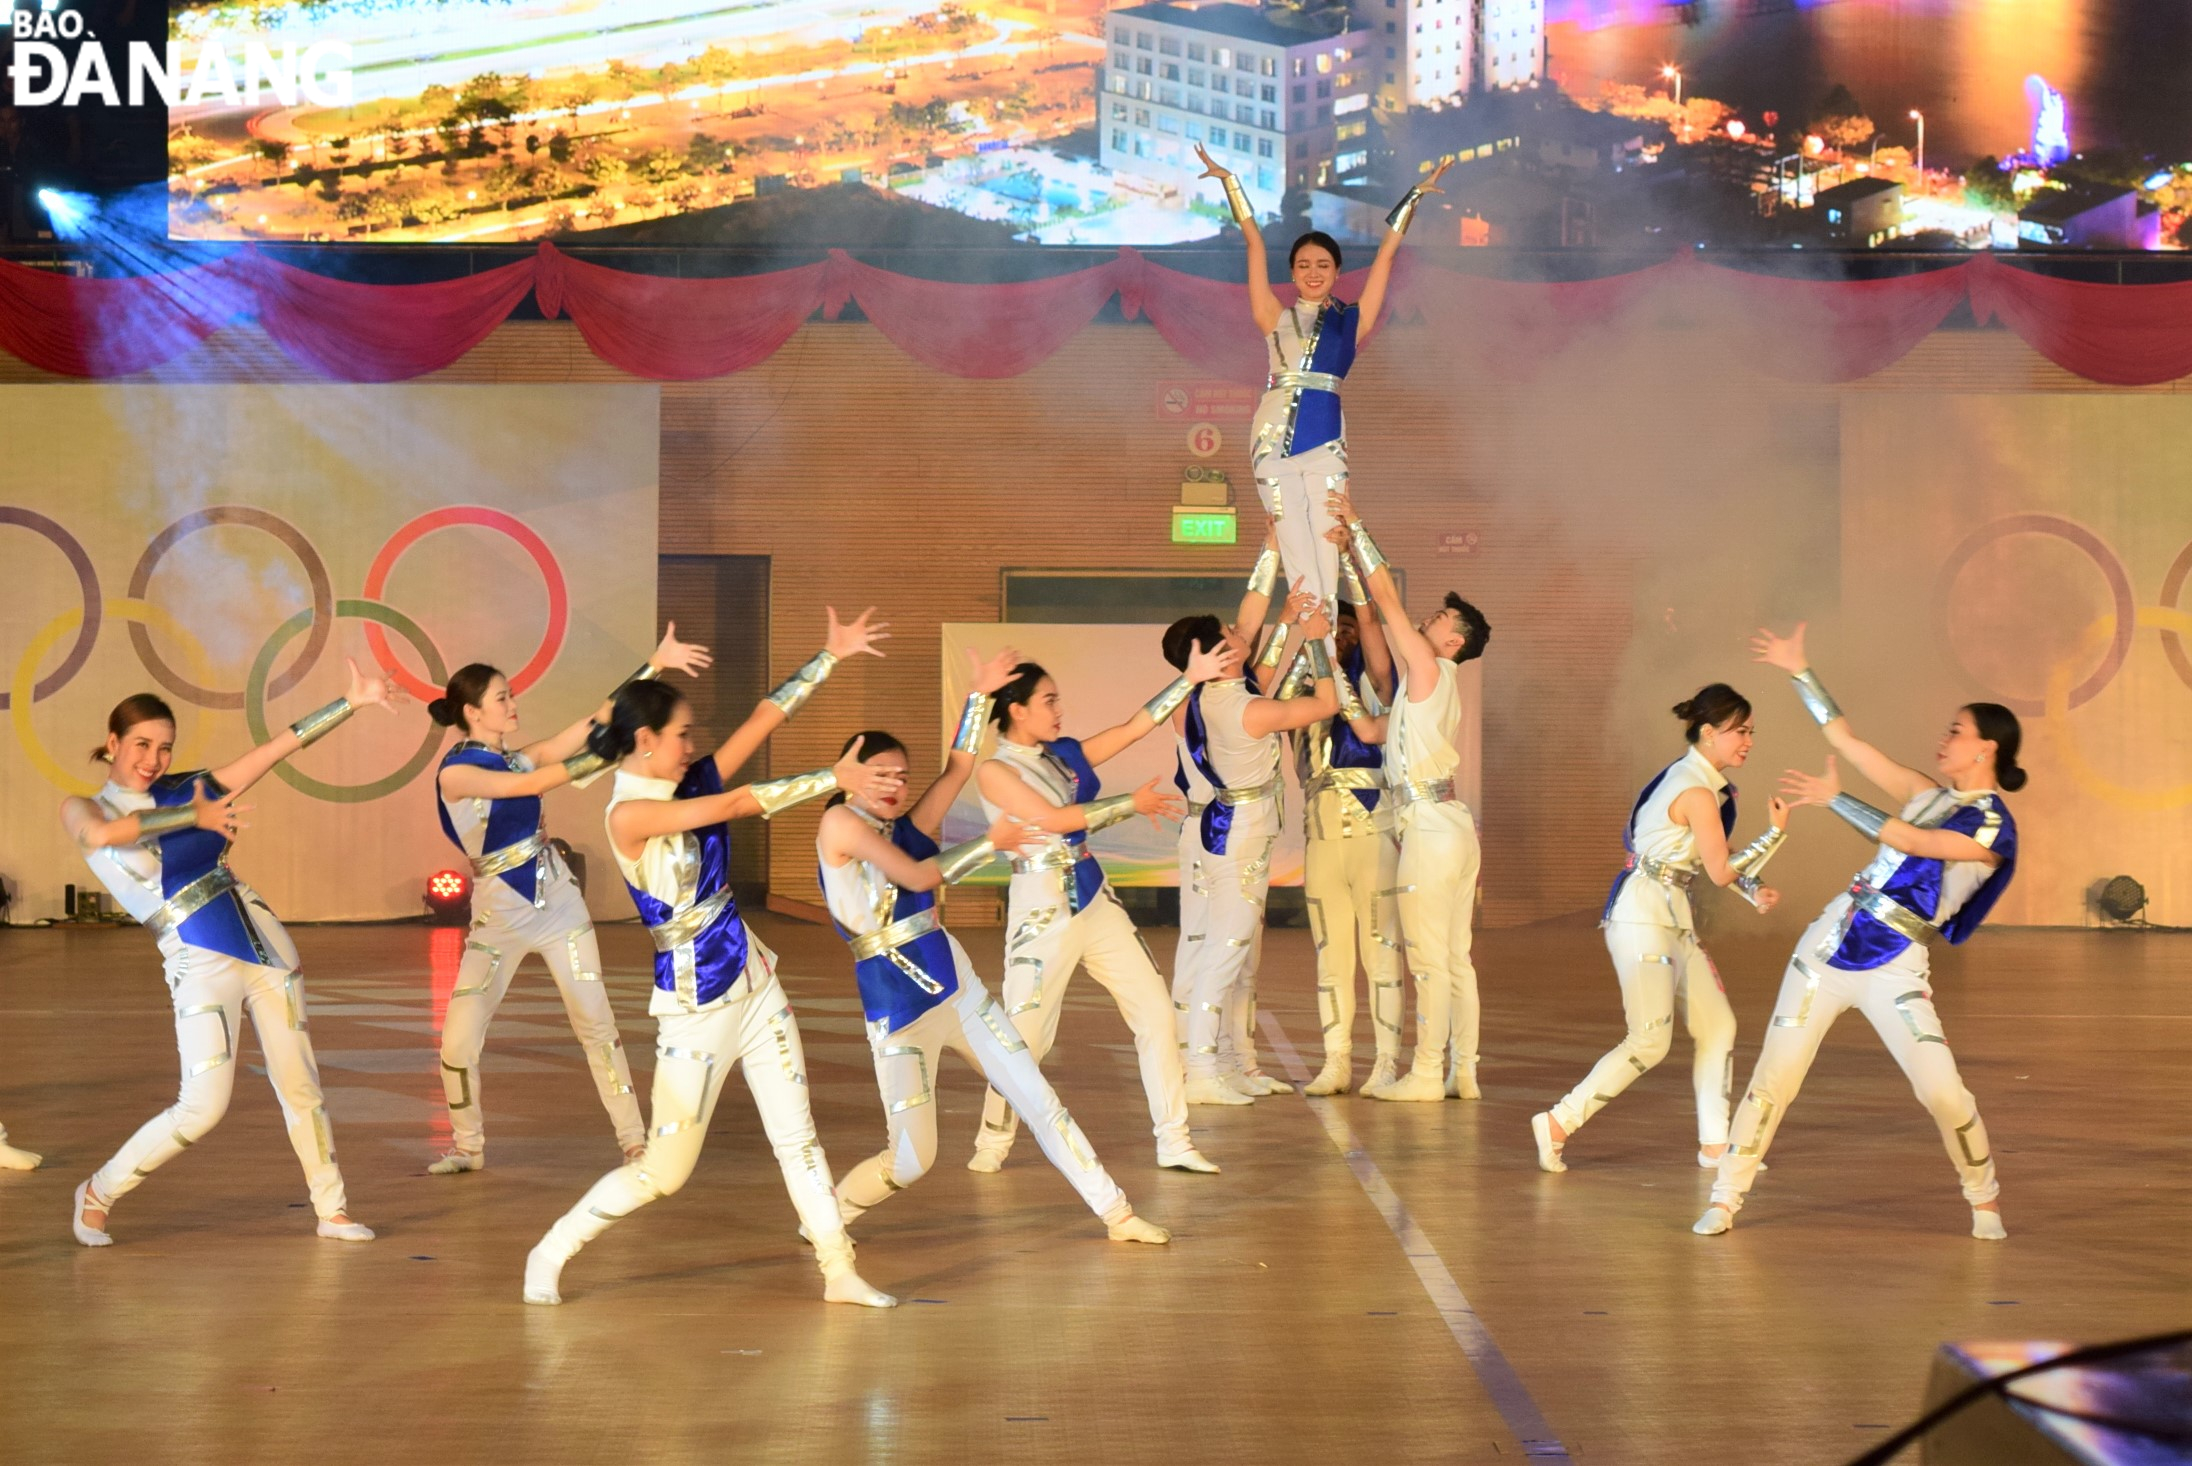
1191 526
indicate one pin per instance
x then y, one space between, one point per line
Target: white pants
493 951
694 1054
1221 925
1295 493
1661 969
973 1025
1349 883
1438 900
1043 948
1900 1007
212 993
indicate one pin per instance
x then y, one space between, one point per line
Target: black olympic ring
87 581
2104 560
2172 586
315 570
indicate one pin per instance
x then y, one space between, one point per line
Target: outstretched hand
220 815
1342 504
865 780
1785 652
679 656
860 636
1207 666
1211 166
1430 185
1777 811
1799 788
994 673
365 691
1159 802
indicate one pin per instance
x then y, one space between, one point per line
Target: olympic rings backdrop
229 547
2032 551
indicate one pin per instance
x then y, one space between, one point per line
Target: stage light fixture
449 896
2120 899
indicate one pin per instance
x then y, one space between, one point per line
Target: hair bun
609 741
442 711
1685 709
2010 777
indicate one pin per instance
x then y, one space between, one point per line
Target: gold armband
1263 577
1366 548
1817 700
972 719
1358 594
1404 212
778 795
647 672
1102 814
312 727
1236 199
153 823
1320 663
800 686
957 862
584 767
1274 650
1165 703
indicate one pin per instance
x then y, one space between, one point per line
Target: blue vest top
719 951
1317 419
1913 882
889 994
220 925
508 820
1088 872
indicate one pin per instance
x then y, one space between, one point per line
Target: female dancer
1678 828
523 898
880 868
159 841
12 1159
1061 912
1298 451
1942 864
1439 854
717 1001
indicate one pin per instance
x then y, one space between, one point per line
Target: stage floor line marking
1504 1387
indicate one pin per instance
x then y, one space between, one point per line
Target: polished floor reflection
1287 1322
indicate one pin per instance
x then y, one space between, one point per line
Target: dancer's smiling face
1728 744
140 754
1315 272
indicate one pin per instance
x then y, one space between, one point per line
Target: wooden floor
1286 1323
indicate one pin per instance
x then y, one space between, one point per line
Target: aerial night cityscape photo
1570 123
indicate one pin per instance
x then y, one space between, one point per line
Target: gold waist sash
686 925
192 898
1058 857
510 857
1293 381
1423 791
1268 789
896 935
1890 912
1660 871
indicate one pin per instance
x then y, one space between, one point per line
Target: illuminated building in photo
1281 97
1431 52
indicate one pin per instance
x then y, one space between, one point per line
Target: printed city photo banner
227 548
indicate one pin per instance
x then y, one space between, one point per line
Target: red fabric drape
2125 335
678 330
977 330
673 329
111 328
380 333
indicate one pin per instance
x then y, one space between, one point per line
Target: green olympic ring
263 667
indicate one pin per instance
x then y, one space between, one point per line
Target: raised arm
1267 715
89 827
1010 793
1377 652
1381 268
773 711
671 655
364 692
1202 666
928 811
1262 304
1800 788
1409 647
636 821
1263 579
1787 653
845 837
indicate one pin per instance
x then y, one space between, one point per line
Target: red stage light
449 895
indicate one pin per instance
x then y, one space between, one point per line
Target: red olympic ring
559 602
2104 559
293 540
2172 586
87 581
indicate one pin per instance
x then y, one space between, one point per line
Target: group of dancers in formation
1367 698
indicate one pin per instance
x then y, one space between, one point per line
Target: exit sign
1193 526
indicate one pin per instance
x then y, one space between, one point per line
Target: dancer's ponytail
1999 726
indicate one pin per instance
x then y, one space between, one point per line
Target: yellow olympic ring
143 613
2100 633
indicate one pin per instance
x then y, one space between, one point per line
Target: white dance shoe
1548 1149
12 1159
1336 1077
345 1230
1462 1083
1410 1088
1131 1228
1987 1226
457 1162
1717 1219
88 1235
1189 1159
1213 1090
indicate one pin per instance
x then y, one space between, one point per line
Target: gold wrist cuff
1274 650
1320 662
957 862
1816 699
1366 548
312 727
1263 579
1165 703
1752 858
153 823
778 795
1357 593
1404 212
1351 706
972 719
584 767
800 686
1102 814
1236 199
647 672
